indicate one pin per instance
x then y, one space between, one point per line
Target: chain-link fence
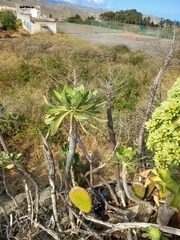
105 27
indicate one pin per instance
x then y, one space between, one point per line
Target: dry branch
133 225
153 91
51 175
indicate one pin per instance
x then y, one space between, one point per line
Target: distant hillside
60 10
156 20
63 9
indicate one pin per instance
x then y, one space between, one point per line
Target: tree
8 20
107 16
75 19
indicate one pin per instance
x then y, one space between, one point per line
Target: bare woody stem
51 175
153 91
112 136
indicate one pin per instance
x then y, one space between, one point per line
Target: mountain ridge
63 9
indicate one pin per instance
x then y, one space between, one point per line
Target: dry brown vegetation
31 65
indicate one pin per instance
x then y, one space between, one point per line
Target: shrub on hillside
8 20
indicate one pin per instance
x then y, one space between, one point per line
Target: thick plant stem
124 174
113 138
5 147
51 175
89 158
72 149
164 212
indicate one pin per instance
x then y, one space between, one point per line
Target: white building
33 22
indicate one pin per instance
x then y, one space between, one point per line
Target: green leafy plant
128 98
64 152
164 130
75 103
10 156
126 155
167 183
155 234
8 20
139 190
81 199
79 106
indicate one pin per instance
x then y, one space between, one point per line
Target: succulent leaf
154 233
81 199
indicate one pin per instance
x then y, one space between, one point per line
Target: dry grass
47 59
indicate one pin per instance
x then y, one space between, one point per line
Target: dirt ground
133 41
111 37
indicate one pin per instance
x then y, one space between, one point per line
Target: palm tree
79 105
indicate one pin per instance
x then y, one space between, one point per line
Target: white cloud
99 1
110 5
85 1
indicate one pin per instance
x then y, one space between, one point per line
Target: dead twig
5 214
124 174
89 158
152 94
49 231
90 231
51 175
133 225
29 175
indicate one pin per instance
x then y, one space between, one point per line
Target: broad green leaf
91 97
54 127
83 128
164 191
86 96
132 169
174 202
49 120
15 117
165 175
58 95
77 100
93 126
65 101
67 89
173 186
87 107
100 105
145 235
60 87
47 102
81 118
81 88
100 120
156 179
53 95
57 110
154 172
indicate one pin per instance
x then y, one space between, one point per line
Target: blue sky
168 9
